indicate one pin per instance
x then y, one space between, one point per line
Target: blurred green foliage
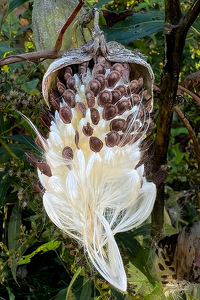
36 260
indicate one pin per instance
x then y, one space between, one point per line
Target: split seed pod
100 98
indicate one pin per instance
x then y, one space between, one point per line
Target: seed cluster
101 103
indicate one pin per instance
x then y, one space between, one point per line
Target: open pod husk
115 53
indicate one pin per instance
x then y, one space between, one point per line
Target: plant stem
191 133
175 31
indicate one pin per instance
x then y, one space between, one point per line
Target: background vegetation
36 260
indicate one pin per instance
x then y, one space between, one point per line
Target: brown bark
175 31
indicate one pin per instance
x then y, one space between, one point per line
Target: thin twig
191 133
58 44
194 96
52 53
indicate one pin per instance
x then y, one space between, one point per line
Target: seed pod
104 190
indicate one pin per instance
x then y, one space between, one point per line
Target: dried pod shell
116 53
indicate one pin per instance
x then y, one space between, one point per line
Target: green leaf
139 280
4 186
5 156
14 4
23 29
157 293
30 87
176 131
13 268
23 139
72 281
10 294
61 295
82 289
14 227
169 230
136 27
101 3
52 245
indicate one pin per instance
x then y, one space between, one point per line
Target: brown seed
39 143
60 86
95 116
136 137
123 105
44 168
125 138
68 70
77 139
159 177
87 129
67 76
54 94
104 97
142 161
69 97
90 98
135 99
102 79
32 159
103 61
140 83
95 144
81 107
133 86
67 153
116 96
126 76
132 125
45 120
122 89
71 83
82 68
126 66
117 124
99 69
146 143
118 67
112 139
112 78
53 104
109 112
39 188
95 86
65 114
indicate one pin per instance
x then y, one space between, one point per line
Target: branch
195 97
191 133
189 18
52 53
30 56
172 12
175 31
